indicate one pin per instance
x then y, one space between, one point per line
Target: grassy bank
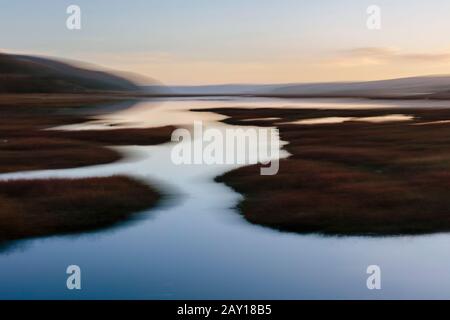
26 145
35 208
351 178
51 207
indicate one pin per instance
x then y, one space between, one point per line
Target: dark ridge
27 74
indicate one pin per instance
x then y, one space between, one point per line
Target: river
197 246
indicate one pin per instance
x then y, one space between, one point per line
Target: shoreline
350 178
102 97
25 118
46 207
39 208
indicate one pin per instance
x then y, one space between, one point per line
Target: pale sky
238 41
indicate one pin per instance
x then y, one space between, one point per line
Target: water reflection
199 247
331 120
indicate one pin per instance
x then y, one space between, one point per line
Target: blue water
196 246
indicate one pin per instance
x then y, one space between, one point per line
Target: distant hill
414 87
426 86
224 89
28 74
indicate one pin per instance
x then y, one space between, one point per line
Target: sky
191 42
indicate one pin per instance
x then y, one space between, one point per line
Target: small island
372 174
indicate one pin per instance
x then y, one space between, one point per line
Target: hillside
432 87
28 74
413 87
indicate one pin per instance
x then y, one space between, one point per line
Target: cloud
384 55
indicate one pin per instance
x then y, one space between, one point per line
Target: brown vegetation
26 145
34 208
351 178
51 207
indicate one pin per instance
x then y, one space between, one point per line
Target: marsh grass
26 145
35 208
38 208
351 178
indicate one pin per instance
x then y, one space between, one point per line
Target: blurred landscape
423 87
397 161
355 95
30 74
39 93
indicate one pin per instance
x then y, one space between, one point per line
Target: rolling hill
423 87
28 74
413 87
